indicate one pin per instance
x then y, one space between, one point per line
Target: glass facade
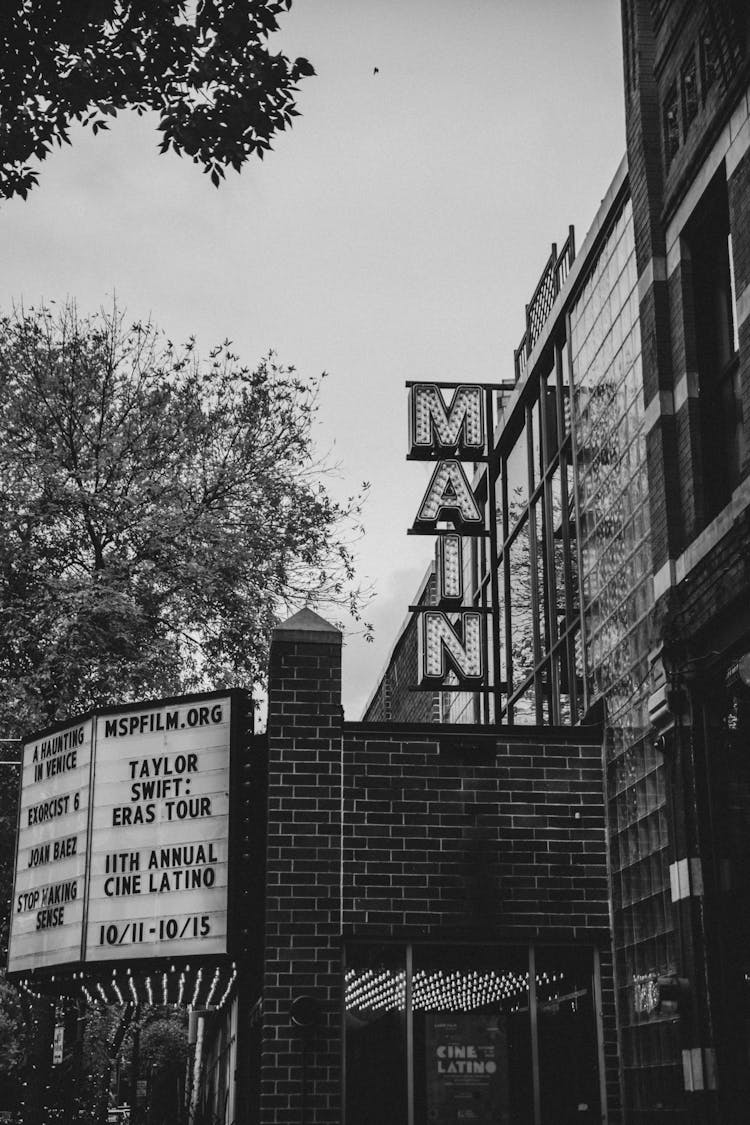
617 599
576 599
538 659
576 604
537 558
605 345
441 1035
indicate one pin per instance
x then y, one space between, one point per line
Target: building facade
688 133
436 918
622 463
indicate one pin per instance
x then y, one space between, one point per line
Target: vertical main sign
452 635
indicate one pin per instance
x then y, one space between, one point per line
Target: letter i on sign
450 570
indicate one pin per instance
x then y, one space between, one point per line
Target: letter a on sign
441 649
458 431
449 497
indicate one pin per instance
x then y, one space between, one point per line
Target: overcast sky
396 232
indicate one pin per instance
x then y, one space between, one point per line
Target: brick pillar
301 1065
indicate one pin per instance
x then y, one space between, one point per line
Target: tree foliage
157 513
14 1032
10 777
108 1064
205 68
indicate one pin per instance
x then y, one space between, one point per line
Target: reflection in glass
517 479
472 1044
540 572
566 1030
536 444
524 708
375 995
484 1046
522 634
617 600
558 516
548 390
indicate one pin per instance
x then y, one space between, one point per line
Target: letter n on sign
444 648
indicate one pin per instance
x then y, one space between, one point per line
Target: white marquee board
160 832
48 897
123 839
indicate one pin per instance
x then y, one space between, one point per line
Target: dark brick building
393 696
687 71
437 943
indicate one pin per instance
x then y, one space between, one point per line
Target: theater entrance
449 1035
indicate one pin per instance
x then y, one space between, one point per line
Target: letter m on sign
454 431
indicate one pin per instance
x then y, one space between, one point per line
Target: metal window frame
543 677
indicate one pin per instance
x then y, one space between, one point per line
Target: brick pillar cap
306 626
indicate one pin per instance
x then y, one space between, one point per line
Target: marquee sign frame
156 937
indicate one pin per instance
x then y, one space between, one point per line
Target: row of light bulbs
446 991
168 989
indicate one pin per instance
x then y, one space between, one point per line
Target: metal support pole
492 520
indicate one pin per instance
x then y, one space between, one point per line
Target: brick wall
411 831
709 611
449 830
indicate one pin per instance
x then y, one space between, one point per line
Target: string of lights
385 990
179 986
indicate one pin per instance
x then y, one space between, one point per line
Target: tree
14 1042
204 67
10 777
163 1057
157 514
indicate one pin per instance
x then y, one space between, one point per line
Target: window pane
472 1043
536 443
517 476
568 1060
559 516
524 709
542 576
549 390
689 82
522 636
562 681
499 669
375 994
